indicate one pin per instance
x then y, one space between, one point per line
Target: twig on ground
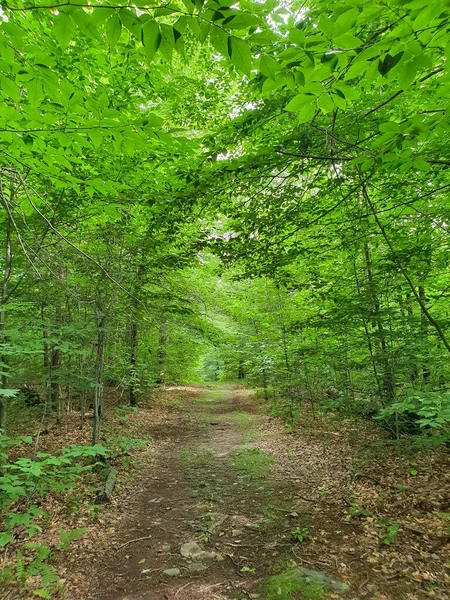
147 537
183 587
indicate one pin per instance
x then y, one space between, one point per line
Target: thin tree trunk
367 333
162 353
133 362
388 376
3 302
98 379
406 276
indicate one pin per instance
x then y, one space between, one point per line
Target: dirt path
249 499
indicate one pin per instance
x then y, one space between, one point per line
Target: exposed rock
193 550
190 550
196 567
236 532
239 521
172 572
314 577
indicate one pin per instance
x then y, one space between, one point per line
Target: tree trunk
3 302
367 333
98 378
162 353
133 363
388 375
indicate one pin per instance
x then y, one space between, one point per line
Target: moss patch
252 463
286 587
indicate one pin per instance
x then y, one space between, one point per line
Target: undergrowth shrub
24 483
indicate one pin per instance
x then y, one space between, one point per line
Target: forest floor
253 499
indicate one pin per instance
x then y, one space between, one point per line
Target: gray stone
236 532
196 567
172 572
190 550
312 577
253 526
193 550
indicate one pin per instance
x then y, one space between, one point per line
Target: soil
311 504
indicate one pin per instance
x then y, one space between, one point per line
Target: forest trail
254 498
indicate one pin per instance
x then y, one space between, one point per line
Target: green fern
41 593
21 572
67 537
49 578
42 551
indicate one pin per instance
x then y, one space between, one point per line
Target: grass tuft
285 587
252 463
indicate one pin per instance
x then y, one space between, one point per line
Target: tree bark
98 378
388 375
162 353
133 363
8 256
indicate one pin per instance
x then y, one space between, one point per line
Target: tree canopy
262 184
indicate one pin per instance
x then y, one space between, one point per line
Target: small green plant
35 478
355 510
195 457
67 537
446 517
243 419
95 511
32 562
124 411
413 469
389 535
300 534
251 570
420 412
252 463
124 445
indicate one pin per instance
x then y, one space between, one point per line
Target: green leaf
325 103
34 91
96 136
269 66
298 102
240 54
8 393
9 88
356 69
306 113
421 164
388 63
5 538
113 28
347 41
242 21
131 21
345 22
407 74
63 29
151 38
220 41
